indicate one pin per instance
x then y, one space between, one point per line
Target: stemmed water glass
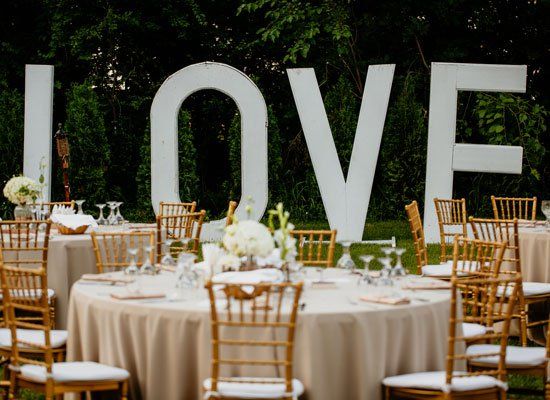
79 204
167 259
545 208
101 219
398 269
385 273
320 270
147 268
366 278
112 217
118 215
346 262
132 269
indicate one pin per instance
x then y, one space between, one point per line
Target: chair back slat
174 208
111 249
177 227
514 207
482 258
417 231
230 213
25 243
452 220
315 247
253 326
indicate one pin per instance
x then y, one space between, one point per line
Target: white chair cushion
529 289
515 355
254 390
436 381
442 270
57 338
84 371
51 293
471 330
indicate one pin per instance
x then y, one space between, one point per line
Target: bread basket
69 231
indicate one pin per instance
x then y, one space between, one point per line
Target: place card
431 285
137 296
393 301
107 278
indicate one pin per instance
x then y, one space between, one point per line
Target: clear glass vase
22 212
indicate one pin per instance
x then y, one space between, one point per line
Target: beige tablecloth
344 347
534 248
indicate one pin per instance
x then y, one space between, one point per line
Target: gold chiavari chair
171 208
528 292
25 244
514 207
46 375
186 227
452 219
453 382
475 259
230 212
255 329
51 204
315 247
111 248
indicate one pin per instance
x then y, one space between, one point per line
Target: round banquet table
534 250
344 347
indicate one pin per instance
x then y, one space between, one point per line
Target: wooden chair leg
523 326
124 390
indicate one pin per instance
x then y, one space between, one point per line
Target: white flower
248 238
21 190
227 261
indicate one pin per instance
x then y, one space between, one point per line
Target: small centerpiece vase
22 212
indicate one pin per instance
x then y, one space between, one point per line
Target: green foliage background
111 57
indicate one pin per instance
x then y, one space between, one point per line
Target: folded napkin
430 285
264 275
137 296
385 299
62 210
211 254
73 221
107 278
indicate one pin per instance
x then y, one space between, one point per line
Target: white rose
248 238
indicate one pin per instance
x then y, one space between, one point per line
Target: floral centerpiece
21 191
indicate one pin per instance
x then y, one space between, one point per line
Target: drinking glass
545 208
112 220
101 219
385 273
320 271
147 267
118 215
185 277
398 269
366 278
167 259
346 262
132 269
79 204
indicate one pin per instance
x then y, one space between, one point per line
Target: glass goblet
79 204
320 270
112 217
132 268
545 208
366 278
345 261
398 269
147 268
167 259
385 273
101 220
118 215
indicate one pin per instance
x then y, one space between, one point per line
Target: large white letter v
345 202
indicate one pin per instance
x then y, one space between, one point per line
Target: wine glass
118 215
79 204
366 278
112 217
385 273
545 208
167 259
147 267
346 262
101 219
132 269
398 269
320 270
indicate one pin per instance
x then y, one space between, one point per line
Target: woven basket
68 231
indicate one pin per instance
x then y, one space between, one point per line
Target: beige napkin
385 299
432 285
137 296
108 278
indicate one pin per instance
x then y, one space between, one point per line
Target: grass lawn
385 230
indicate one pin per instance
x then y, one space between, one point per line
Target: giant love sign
345 199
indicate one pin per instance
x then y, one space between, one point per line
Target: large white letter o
164 135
